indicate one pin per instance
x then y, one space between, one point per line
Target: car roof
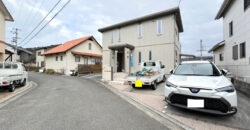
195 62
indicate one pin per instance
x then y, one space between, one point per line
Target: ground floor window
235 52
139 57
97 60
150 55
243 50
77 59
93 60
85 60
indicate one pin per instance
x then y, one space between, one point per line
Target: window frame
90 46
139 57
157 25
242 50
76 60
140 30
119 35
231 29
85 59
150 55
235 54
221 57
39 53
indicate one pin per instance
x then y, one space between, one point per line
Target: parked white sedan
201 86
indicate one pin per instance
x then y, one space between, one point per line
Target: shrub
49 71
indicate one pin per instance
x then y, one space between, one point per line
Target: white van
12 74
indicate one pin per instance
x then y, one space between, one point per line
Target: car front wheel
154 86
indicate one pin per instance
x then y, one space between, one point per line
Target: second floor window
56 58
159 27
231 28
89 46
119 35
140 30
39 53
221 57
112 37
61 58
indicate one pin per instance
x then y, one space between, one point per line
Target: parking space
155 99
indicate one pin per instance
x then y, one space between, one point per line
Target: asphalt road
66 103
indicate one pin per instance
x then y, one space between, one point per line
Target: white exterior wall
41 58
241 33
163 46
2 36
69 62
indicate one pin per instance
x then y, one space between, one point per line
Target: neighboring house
4 16
151 37
233 53
23 55
69 55
40 59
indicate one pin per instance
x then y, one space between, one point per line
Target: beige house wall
164 47
2 36
69 62
41 58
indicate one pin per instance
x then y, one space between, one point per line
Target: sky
84 17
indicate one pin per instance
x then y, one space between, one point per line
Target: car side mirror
171 71
163 66
224 72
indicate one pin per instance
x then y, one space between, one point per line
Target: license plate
195 103
138 83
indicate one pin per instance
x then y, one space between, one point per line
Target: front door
119 62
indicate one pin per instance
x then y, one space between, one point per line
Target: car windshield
199 69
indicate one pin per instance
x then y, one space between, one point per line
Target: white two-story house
233 53
151 37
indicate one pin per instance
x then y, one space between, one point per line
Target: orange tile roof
66 46
85 54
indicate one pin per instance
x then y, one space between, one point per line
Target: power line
41 21
47 23
30 13
35 15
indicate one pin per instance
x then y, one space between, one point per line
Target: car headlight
226 89
170 84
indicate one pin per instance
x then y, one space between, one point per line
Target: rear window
1 65
147 64
14 66
7 65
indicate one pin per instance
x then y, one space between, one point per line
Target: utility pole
201 49
14 40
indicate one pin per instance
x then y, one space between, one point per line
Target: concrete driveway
240 120
65 103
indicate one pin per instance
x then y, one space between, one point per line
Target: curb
12 97
122 95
